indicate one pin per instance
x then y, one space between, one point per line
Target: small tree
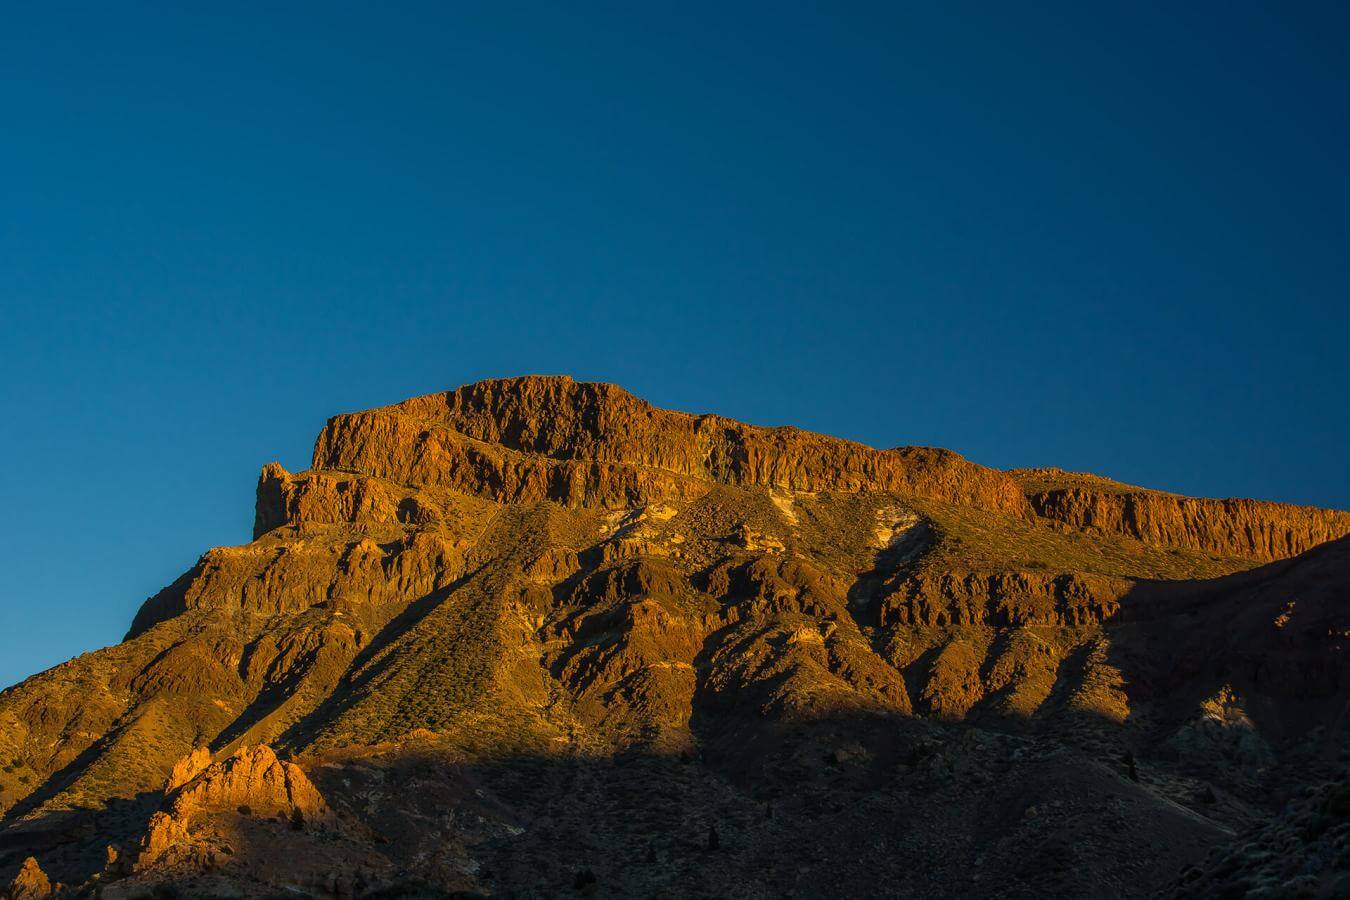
713 841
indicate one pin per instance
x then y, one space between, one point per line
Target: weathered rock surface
1243 528
531 632
1003 599
253 777
1304 852
534 438
252 781
31 883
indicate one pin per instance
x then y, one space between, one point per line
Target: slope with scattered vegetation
534 636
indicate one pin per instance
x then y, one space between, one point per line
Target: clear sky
1109 237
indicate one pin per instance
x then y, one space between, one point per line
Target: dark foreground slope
533 637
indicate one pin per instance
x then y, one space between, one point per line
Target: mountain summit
535 636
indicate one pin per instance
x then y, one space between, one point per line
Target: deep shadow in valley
857 801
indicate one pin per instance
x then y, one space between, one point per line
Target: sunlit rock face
533 636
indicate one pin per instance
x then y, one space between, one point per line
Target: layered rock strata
531 632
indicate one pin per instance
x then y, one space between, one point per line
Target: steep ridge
533 636
596 443
1247 528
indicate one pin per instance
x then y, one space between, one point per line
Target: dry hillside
534 637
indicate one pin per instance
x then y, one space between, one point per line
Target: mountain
535 637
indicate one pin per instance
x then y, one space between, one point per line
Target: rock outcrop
252 781
537 438
1003 599
31 883
1249 529
532 635
188 768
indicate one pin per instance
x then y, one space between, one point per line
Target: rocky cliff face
31 883
1249 529
527 439
252 781
535 636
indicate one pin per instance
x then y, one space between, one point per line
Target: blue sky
1107 237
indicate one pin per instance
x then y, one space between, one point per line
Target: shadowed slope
531 629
